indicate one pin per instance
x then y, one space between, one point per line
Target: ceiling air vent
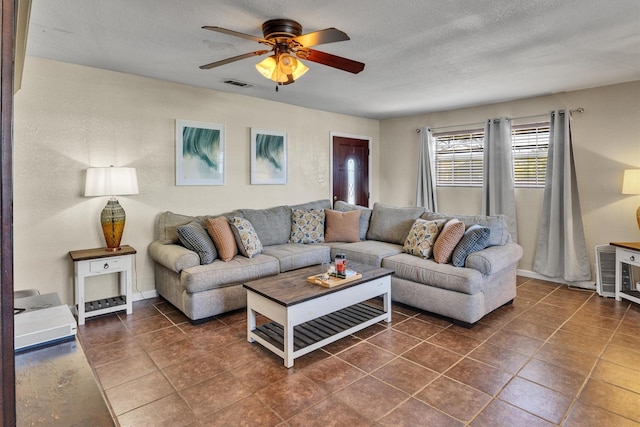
236 83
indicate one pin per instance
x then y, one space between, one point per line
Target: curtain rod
577 110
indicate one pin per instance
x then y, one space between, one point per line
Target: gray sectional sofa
465 294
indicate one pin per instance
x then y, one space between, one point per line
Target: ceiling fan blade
328 35
330 60
238 34
234 59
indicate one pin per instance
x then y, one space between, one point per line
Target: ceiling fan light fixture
283 68
267 66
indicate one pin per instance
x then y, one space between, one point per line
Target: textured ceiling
420 55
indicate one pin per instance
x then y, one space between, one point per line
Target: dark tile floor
557 356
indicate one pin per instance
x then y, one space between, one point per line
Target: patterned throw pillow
194 237
447 241
342 226
475 239
307 226
222 236
246 237
422 236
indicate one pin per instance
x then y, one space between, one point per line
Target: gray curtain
498 196
426 188
561 251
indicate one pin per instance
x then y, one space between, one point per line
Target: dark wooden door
351 170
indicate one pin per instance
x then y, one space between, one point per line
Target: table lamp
111 181
631 185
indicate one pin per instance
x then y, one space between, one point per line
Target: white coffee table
305 316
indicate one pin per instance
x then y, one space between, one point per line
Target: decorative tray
332 280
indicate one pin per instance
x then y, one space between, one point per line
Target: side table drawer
628 257
106 265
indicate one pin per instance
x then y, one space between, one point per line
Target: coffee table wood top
292 288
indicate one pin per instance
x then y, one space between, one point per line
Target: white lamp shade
631 181
111 181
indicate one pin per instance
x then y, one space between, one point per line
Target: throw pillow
246 237
365 215
342 226
194 237
447 241
307 226
422 236
475 239
222 236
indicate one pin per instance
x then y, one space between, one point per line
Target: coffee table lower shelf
323 330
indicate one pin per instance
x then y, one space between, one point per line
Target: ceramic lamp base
112 219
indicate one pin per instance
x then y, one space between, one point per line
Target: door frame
7 356
369 160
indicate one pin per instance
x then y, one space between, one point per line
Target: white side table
627 270
96 262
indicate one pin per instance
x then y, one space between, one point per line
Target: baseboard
137 296
533 275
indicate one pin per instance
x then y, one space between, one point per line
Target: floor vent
236 83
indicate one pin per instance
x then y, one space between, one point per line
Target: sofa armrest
494 258
174 257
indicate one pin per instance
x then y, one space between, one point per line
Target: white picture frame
199 153
268 157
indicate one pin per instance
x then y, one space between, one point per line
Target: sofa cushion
273 225
497 224
292 256
474 239
365 215
430 273
167 226
222 236
194 237
220 274
342 226
392 224
422 236
447 241
247 239
369 252
307 226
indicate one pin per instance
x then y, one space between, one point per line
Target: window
351 181
530 148
459 156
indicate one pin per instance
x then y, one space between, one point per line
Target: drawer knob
632 258
106 265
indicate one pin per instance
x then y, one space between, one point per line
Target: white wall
606 140
69 118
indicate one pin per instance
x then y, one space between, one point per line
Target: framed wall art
199 153
268 157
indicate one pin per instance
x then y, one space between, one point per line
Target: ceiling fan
285 40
